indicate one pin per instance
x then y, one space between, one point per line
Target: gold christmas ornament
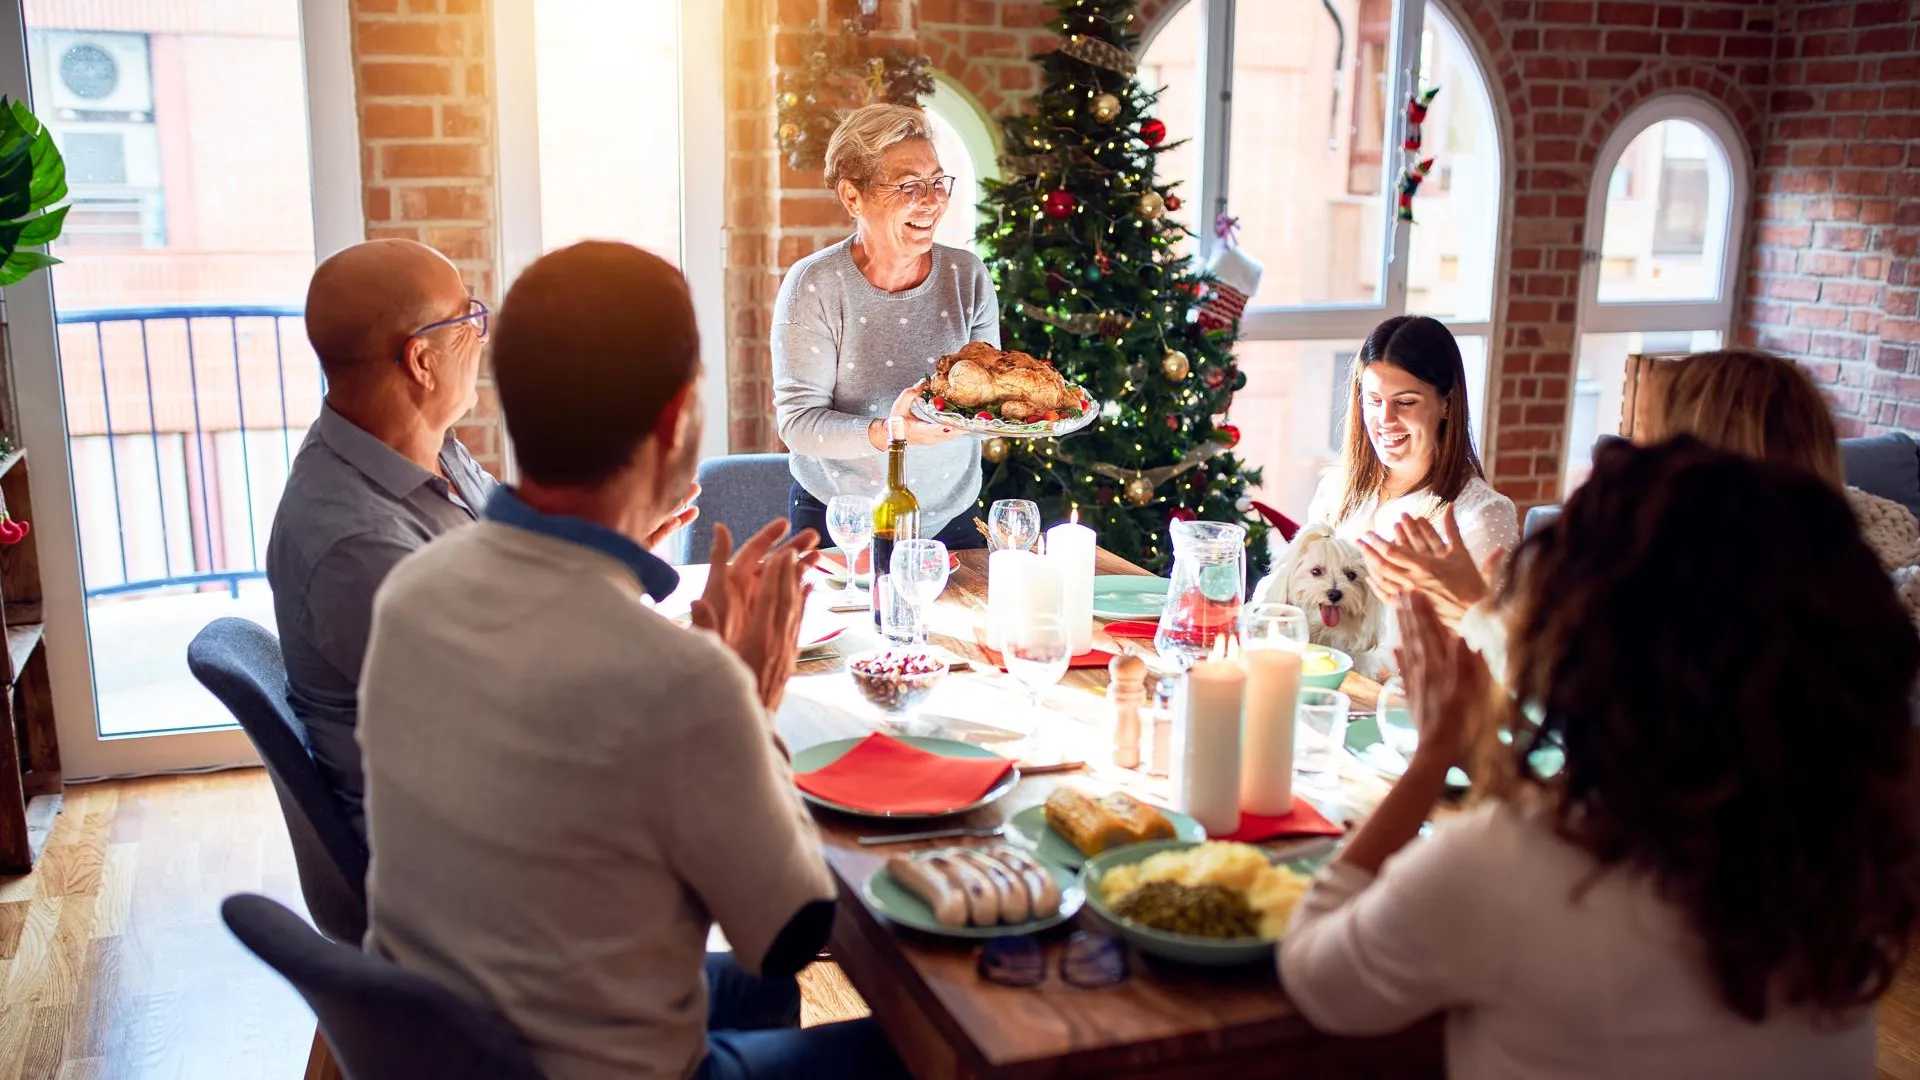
788 131
1105 108
1175 366
1152 206
994 450
1139 491
789 100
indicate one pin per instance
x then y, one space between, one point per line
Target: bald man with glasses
379 475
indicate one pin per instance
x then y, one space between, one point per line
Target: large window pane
1309 145
186 379
1598 388
1172 66
1451 262
965 148
1667 216
608 73
1290 415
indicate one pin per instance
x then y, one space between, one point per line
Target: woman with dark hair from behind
1720 880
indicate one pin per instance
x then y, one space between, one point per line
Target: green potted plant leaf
32 178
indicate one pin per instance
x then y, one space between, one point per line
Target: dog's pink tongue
1329 616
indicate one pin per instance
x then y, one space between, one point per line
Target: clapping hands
1419 559
755 599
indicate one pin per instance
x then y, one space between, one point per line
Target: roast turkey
1012 385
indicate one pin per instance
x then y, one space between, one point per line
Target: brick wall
1837 215
421 69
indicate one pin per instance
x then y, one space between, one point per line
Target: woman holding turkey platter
859 326
1408 455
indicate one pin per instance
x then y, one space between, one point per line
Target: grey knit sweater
842 352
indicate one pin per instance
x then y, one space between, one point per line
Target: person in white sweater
1713 885
1742 400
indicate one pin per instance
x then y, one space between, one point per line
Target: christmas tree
1082 244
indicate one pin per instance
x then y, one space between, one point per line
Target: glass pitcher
1209 586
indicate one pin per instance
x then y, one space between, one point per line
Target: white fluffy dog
1326 577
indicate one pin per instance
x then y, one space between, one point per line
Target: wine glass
1013 525
1266 626
850 523
1321 729
1037 654
919 573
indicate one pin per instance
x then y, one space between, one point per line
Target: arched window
963 137
1662 278
1308 160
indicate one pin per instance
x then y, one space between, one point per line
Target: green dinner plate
1183 948
1129 596
1049 846
1363 741
900 905
821 755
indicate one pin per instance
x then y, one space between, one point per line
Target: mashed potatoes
1271 891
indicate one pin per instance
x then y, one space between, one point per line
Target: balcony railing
182 426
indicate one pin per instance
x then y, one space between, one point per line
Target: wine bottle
896 513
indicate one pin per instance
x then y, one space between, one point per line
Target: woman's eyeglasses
1089 961
938 189
477 314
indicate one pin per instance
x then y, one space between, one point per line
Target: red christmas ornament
1215 378
1173 423
1153 132
1173 202
1181 513
1227 435
1104 495
1104 261
1058 204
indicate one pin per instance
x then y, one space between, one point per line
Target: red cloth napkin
881 774
1303 821
1138 631
1092 658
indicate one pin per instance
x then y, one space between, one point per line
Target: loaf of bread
1096 824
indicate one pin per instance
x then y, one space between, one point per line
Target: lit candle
1266 733
1070 553
1018 586
1207 741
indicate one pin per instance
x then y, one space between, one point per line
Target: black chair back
240 663
381 1021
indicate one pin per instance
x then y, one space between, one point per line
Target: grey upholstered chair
382 1022
743 490
240 663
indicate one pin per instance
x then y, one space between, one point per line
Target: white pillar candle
1070 554
1266 731
1207 743
1019 585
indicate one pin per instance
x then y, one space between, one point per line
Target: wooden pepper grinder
1126 696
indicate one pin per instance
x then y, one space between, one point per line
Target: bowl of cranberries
896 680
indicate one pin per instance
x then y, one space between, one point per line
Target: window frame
979 134
1667 316
1341 322
702 132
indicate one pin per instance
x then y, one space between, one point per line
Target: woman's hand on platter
919 432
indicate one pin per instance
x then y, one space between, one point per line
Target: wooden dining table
1164 1021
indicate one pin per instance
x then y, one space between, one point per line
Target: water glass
1273 626
918 573
850 523
1037 654
1320 739
1013 525
1397 727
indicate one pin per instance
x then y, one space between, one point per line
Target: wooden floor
114 964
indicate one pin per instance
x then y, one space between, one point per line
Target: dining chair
743 490
240 663
382 1021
